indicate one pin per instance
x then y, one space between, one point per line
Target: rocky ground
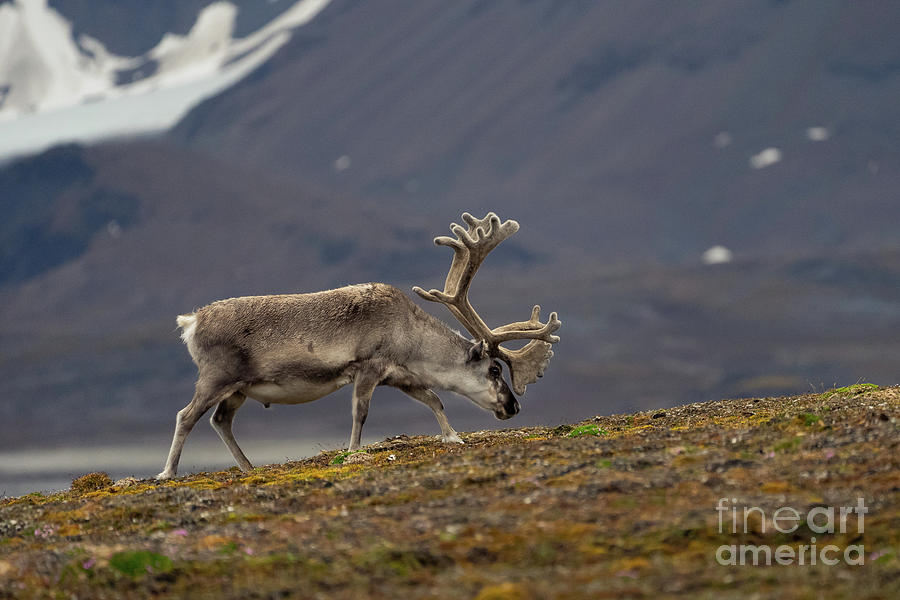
614 506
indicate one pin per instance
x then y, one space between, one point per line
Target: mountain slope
56 87
627 129
132 27
621 135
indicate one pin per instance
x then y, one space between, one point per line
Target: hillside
612 506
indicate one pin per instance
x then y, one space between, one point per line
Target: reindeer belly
294 391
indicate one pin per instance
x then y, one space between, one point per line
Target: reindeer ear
477 352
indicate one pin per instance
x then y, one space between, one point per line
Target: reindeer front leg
431 400
363 387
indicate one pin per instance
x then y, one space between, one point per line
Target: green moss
589 429
788 445
388 561
135 563
158 526
852 390
543 553
229 547
809 419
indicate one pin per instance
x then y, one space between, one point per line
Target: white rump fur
188 324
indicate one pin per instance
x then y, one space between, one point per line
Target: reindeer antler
470 247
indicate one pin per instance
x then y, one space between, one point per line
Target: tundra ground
614 506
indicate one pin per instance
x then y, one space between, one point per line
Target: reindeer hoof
451 439
165 475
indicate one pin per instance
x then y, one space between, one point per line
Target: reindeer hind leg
206 396
221 421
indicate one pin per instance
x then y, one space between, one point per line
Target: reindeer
296 348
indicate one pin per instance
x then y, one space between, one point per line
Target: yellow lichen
775 487
197 484
98 494
503 591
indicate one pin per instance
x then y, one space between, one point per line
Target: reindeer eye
494 370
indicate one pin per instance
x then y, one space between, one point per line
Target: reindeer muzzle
510 408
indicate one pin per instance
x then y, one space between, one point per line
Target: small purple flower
180 532
44 532
829 455
86 565
248 551
877 554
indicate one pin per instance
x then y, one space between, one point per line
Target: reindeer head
470 247
480 380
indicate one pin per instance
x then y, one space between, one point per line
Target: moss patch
91 482
852 390
589 429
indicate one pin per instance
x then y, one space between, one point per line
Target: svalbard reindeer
290 349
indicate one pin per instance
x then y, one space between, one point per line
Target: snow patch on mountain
818 134
766 158
55 89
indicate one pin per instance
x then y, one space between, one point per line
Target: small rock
5 568
659 414
358 458
125 482
481 555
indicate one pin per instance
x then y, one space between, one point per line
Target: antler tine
470 247
527 364
531 329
